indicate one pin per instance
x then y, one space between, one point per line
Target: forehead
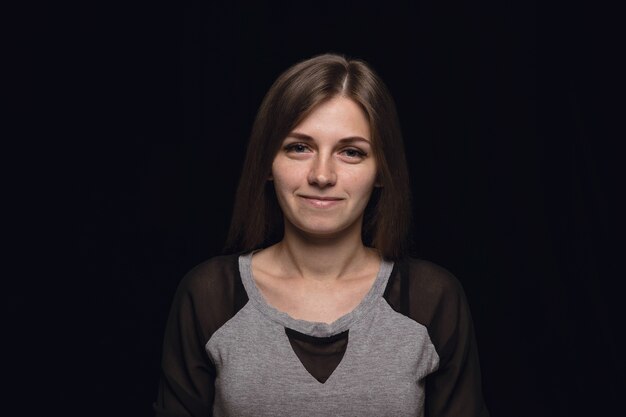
336 118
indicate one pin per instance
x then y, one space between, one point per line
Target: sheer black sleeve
433 297
207 297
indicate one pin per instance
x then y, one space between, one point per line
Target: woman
320 312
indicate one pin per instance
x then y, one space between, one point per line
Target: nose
322 172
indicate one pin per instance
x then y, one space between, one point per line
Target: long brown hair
257 219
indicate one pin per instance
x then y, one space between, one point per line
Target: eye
296 147
354 153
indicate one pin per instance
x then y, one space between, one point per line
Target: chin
322 229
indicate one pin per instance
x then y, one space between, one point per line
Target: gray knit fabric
381 374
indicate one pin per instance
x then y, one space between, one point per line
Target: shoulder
209 295
214 283
426 292
429 278
213 273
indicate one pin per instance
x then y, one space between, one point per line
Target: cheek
284 186
281 187
360 182
287 175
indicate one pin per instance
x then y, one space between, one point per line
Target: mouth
321 202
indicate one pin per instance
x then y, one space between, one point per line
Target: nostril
321 173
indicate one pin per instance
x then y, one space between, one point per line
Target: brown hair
257 219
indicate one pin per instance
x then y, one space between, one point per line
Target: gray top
381 373
408 349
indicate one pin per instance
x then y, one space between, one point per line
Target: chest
382 371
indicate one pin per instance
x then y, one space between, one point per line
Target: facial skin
325 171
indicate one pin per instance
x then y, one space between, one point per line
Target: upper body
407 348
322 313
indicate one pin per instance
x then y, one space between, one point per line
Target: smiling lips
321 202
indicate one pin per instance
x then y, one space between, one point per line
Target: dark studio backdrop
512 168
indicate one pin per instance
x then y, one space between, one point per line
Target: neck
322 258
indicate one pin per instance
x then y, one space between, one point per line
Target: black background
505 112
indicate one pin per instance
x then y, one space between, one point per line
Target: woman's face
325 171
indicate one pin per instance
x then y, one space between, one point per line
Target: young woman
319 311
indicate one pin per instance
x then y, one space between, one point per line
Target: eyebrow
348 139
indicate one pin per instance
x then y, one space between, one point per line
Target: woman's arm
186 386
432 296
455 389
207 297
